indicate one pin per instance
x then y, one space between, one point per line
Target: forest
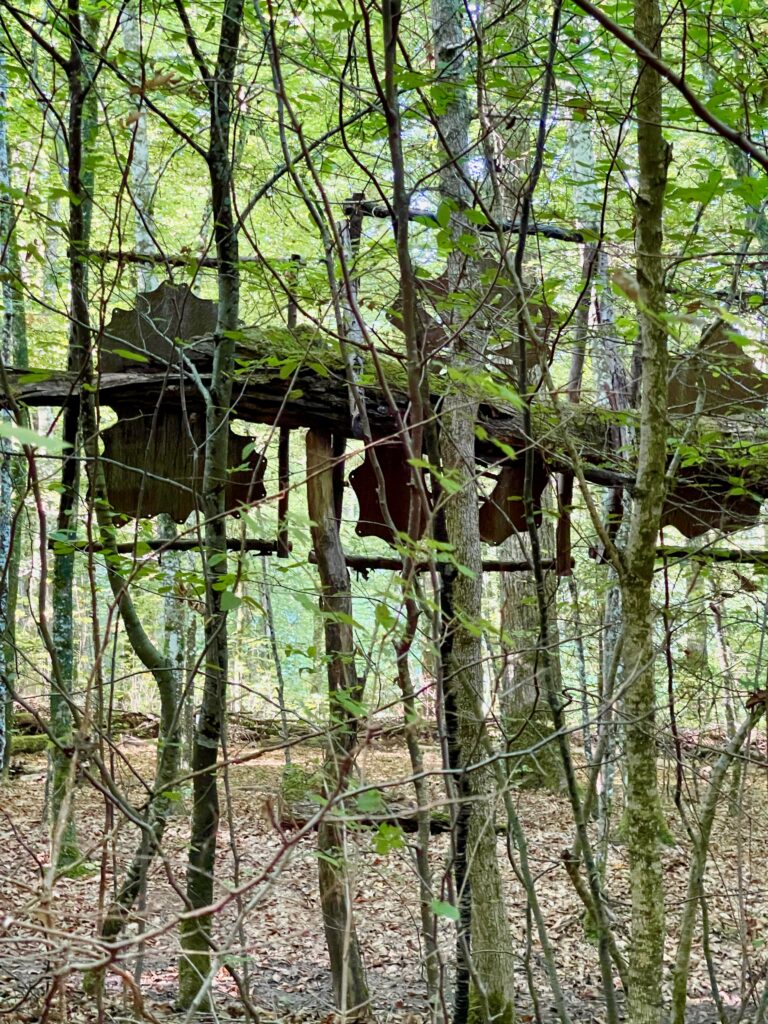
383 544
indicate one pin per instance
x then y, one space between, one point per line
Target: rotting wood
314 401
364 563
156 463
743 556
141 545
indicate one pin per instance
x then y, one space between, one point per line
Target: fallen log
300 815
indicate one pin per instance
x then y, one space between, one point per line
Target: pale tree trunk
487 951
526 715
12 472
700 842
643 811
196 964
613 393
344 695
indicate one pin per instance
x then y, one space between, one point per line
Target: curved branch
739 139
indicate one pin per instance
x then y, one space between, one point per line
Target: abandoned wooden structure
154 363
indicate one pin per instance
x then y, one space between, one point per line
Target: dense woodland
383 455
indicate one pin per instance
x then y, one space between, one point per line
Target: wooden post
283 453
344 694
293 276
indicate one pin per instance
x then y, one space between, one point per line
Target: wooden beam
370 208
262 396
364 563
141 545
283 470
734 555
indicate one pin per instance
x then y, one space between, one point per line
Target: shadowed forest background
383 464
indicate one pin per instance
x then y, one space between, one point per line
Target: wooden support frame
364 563
735 556
283 480
251 544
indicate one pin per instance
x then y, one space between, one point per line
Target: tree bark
81 135
486 953
344 696
643 812
195 964
12 472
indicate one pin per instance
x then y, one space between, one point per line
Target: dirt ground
267 885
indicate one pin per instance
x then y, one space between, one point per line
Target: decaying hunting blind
154 358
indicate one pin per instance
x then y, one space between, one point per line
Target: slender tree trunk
643 812
276 660
344 696
164 669
700 841
195 964
478 878
527 715
81 136
12 473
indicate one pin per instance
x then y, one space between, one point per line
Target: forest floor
286 960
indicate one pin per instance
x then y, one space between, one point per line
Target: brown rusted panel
500 304
151 330
695 508
502 514
398 489
730 380
155 465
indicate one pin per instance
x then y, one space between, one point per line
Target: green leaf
29 437
442 909
370 802
443 214
388 838
354 707
230 601
127 353
384 616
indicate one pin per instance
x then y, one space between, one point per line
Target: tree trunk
195 964
478 878
344 696
81 136
527 716
12 469
643 812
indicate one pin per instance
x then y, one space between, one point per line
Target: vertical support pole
563 535
293 275
283 453
339 446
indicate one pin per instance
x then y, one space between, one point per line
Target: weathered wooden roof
158 355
